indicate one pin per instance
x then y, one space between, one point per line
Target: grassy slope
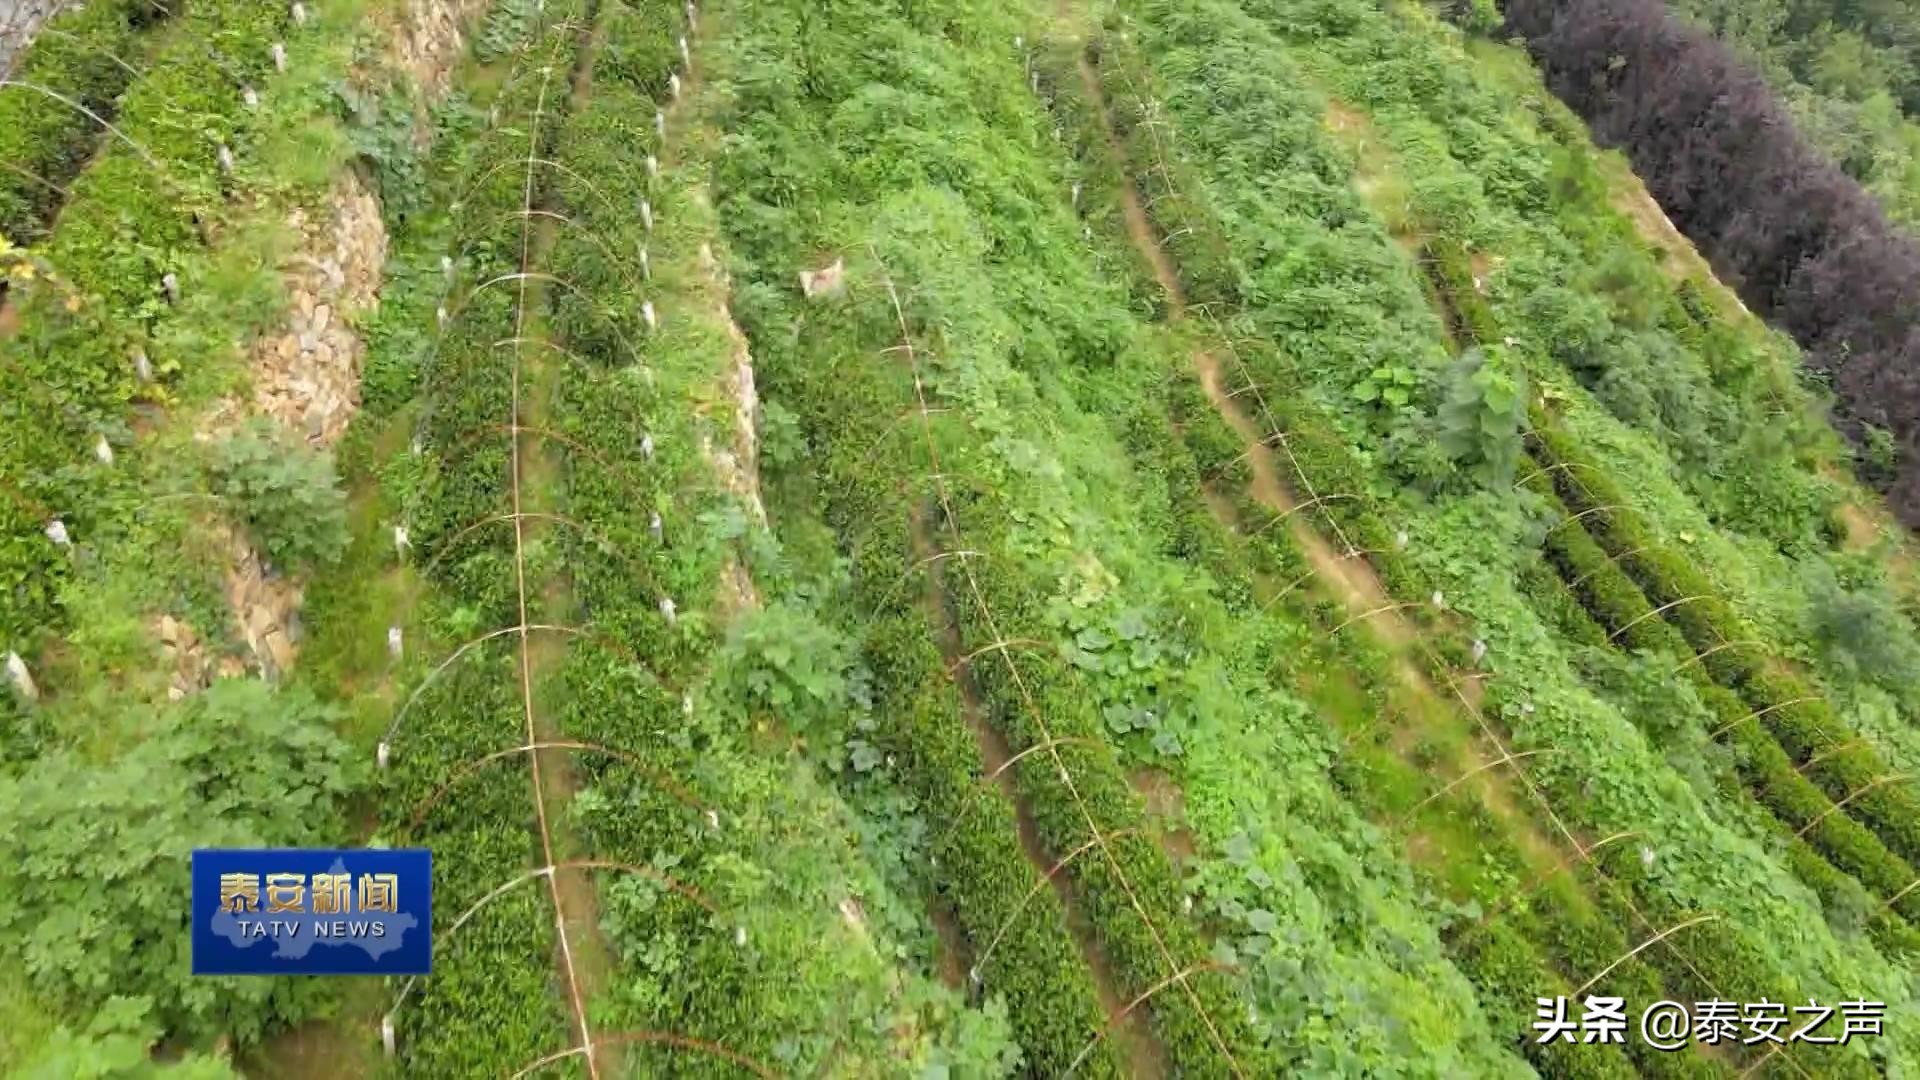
774 859
1446 559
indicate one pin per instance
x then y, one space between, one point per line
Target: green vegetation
79 64
283 492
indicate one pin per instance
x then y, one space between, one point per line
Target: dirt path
583 955
1678 258
1130 1032
1867 530
1347 575
1139 228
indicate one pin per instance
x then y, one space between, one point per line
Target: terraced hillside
1088 538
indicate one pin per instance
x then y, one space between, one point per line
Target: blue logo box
312 911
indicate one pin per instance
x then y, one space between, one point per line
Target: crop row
87 54
919 495
1533 692
490 1005
145 285
656 561
1616 601
1558 932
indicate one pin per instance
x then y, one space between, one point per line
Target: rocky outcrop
266 605
308 375
737 462
431 41
19 21
194 667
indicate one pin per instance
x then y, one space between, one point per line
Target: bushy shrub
1481 419
284 492
94 879
116 1044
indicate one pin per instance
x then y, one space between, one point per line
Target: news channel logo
312 911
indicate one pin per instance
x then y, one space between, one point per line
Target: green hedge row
1723 950
88 54
69 371
1798 717
492 1005
1845 847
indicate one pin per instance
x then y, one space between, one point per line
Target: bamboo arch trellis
1571 519
866 458
1033 644
430 367
1152 125
1561 865
1609 561
541 162
659 877
1284 515
521 278
1508 758
907 348
578 230
664 781
1180 977
1758 713
1661 610
109 126
448 316
446 547
857 540
980 788
1309 575
1871 785
393 726
1383 609
1744 643
1041 883
34 177
627 475
1566 467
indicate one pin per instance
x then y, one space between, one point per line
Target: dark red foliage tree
1803 243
